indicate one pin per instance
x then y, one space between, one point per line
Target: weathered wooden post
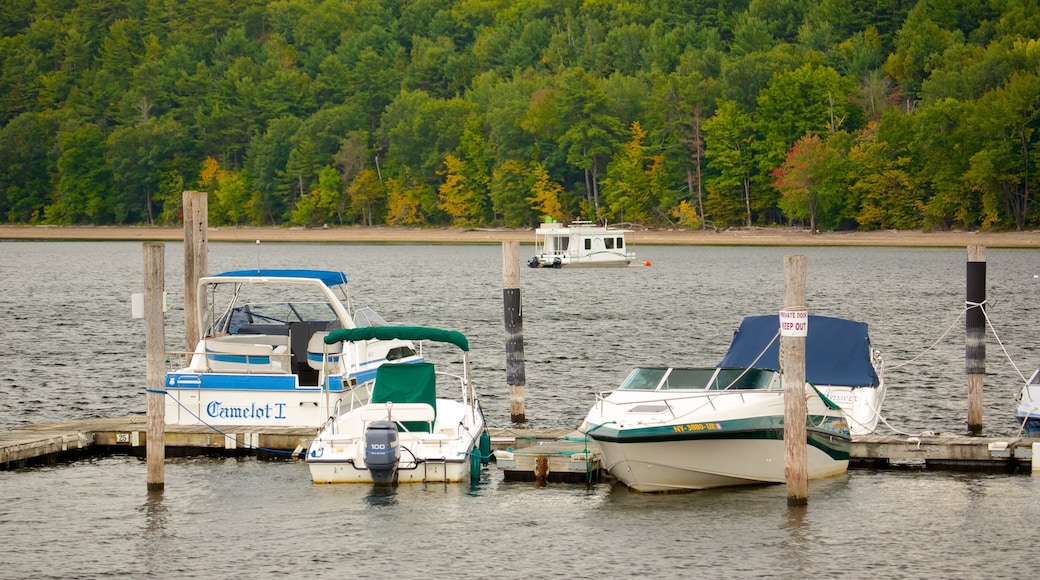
514 321
975 334
155 347
195 204
794 327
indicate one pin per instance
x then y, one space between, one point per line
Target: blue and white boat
262 359
1027 411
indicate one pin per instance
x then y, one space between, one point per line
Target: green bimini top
402 332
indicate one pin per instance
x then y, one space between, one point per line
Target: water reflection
381 496
153 550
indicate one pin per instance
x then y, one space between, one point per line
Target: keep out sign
794 323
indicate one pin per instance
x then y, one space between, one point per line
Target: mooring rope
989 324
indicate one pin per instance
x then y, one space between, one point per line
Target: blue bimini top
837 351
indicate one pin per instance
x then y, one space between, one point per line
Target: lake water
72 351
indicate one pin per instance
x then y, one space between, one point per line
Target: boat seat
238 357
316 349
300 334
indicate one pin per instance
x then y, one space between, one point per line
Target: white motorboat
668 429
839 361
680 429
411 430
262 359
1027 410
581 244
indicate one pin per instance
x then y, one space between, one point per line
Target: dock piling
514 322
155 345
975 334
792 363
196 224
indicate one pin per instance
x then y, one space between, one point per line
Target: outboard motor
382 452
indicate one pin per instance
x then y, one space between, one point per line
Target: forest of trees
825 114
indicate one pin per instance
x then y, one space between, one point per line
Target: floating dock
555 455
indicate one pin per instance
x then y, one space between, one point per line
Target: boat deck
567 455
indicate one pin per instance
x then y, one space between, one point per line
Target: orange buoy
646 263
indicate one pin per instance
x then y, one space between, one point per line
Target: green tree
1005 168
83 179
729 137
28 154
511 184
591 135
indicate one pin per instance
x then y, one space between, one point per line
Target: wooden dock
565 453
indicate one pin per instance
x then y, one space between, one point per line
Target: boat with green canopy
420 425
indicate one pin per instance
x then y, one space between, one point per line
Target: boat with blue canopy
839 361
262 359
688 428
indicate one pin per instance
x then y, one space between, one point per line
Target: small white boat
411 431
680 429
839 361
582 244
262 359
1027 411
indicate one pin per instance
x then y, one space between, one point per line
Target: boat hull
428 471
257 400
695 464
1027 411
861 406
442 455
614 261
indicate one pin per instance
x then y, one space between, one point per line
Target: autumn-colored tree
405 200
545 195
800 180
366 195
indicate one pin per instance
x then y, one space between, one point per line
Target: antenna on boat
258 257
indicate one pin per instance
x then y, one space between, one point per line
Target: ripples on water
73 352
248 519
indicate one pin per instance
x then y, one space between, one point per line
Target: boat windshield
699 379
743 379
645 379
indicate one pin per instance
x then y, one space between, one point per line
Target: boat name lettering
696 427
218 410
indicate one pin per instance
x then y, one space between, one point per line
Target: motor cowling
382 452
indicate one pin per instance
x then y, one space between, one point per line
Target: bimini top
328 277
837 351
402 332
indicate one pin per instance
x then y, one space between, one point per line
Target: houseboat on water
581 244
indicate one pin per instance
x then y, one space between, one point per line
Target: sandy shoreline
393 235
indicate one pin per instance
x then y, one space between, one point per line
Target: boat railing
462 384
708 396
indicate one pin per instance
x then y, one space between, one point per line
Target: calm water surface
73 352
